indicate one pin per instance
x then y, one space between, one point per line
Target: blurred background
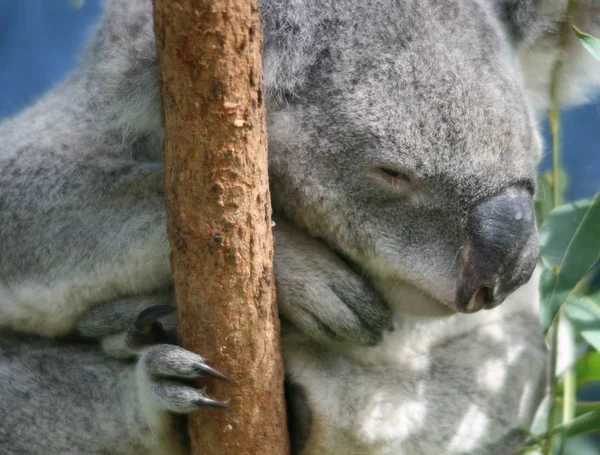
41 39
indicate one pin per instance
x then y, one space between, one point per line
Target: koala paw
327 312
321 295
164 371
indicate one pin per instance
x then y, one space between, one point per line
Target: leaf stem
554 120
553 381
569 395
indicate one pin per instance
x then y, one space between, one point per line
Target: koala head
403 134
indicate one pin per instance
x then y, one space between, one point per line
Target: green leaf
587 367
570 248
584 314
584 407
591 43
530 451
594 293
583 424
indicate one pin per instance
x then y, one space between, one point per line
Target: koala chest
463 396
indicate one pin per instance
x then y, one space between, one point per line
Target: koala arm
82 217
92 230
321 294
77 232
82 211
317 292
69 399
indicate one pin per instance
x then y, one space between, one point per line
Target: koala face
406 142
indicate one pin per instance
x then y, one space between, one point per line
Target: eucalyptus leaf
570 248
566 354
587 368
591 43
584 313
587 406
530 451
583 424
582 407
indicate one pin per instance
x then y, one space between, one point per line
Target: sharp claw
144 321
211 403
206 370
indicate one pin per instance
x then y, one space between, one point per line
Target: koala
81 186
403 145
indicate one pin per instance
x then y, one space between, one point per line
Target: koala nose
501 250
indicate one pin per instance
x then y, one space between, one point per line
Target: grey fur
81 188
69 398
441 91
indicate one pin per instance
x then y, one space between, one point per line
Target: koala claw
207 370
160 369
183 399
211 403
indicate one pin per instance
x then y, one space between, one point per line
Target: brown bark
218 213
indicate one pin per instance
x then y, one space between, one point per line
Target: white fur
391 399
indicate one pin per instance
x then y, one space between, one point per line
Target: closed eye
530 186
396 179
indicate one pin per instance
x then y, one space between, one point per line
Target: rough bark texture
219 217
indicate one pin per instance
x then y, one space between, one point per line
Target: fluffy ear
580 74
296 36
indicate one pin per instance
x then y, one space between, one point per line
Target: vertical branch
218 212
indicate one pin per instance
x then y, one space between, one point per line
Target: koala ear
522 18
295 39
285 55
538 52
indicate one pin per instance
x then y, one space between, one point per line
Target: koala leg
63 398
316 291
160 362
104 238
164 370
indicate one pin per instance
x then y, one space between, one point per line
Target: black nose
501 251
